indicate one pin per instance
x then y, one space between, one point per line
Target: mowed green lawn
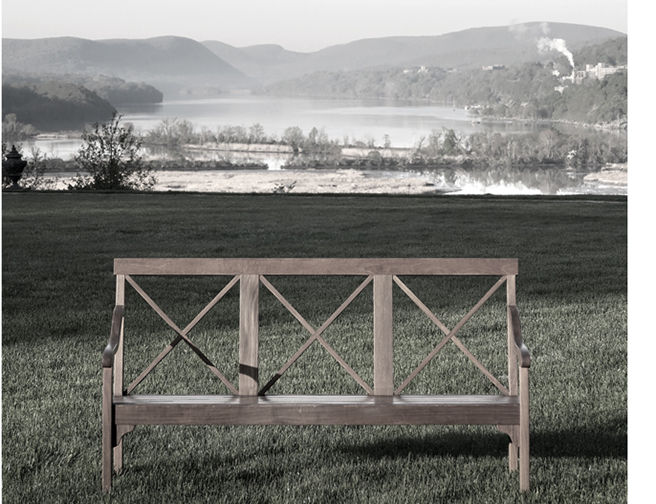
58 294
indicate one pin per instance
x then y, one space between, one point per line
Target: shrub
112 160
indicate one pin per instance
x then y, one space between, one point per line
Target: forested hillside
69 101
54 105
527 91
116 91
613 52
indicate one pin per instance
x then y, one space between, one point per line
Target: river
403 123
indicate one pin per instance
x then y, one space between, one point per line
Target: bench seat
316 410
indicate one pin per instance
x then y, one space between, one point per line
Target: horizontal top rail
315 266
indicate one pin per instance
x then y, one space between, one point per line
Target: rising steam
547 44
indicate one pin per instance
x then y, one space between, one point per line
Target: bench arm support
523 354
114 337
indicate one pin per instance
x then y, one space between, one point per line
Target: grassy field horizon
58 295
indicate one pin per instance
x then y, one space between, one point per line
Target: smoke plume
547 44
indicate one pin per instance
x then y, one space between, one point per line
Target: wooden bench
249 404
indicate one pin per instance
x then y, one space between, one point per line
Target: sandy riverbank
611 180
296 181
612 174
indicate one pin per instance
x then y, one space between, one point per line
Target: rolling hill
168 63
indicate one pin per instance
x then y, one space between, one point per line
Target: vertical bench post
112 372
107 430
118 370
523 430
248 334
512 369
383 337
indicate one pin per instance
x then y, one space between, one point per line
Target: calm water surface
405 123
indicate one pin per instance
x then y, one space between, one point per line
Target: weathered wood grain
317 410
383 342
108 423
513 380
523 430
118 365
315 266
522 352
114 336
248 334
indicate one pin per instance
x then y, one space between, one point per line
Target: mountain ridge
512 45
179 64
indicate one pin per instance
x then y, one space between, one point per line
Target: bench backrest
383 273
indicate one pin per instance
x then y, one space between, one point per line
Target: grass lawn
58 295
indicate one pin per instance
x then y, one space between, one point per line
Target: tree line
179 132
544 146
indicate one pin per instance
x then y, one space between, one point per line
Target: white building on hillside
598 71
601 70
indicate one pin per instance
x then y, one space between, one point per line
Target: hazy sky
298 25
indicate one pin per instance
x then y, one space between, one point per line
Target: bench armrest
513 319
114 337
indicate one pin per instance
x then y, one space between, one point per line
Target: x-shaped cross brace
450 335
316 335
182 334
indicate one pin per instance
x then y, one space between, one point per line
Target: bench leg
118 457
107 430
513 434
523 431
512 457
121 430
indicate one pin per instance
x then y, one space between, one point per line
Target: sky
297 25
